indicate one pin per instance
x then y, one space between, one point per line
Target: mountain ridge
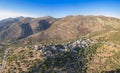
49 28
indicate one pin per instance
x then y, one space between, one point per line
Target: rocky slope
49 28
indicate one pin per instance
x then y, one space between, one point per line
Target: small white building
36 47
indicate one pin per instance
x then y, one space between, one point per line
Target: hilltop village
51 50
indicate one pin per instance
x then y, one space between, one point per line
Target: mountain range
50 29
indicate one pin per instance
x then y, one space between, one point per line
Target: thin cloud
8 14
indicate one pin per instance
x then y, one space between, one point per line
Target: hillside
72 44
52 29
93 55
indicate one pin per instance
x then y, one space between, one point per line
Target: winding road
3 61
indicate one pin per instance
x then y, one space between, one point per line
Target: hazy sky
58 8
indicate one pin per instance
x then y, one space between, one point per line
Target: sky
58 8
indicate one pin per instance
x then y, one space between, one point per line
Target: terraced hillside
107 56
28 60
